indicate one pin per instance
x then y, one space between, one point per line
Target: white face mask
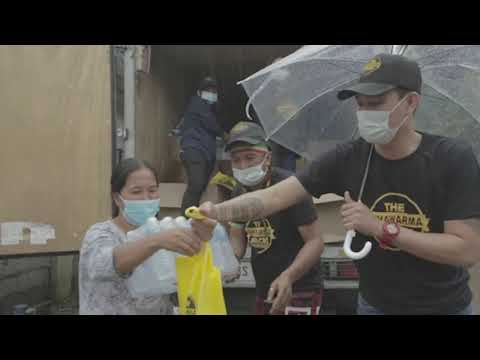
251 176
374 128
209 97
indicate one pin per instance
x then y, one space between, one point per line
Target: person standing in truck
198 143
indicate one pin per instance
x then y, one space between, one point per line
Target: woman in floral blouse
107 260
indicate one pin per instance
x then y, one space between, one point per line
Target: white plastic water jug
223 255
155 276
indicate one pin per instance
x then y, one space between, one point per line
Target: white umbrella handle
347 247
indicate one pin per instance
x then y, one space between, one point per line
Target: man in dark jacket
198 141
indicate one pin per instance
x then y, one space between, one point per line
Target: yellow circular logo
401 209
239 128
260 235
373 65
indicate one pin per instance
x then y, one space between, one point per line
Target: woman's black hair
121 173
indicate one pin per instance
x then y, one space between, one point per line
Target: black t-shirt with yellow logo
440 181
276 242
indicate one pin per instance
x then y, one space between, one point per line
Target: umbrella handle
347 247
247 109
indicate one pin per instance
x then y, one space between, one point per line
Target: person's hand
179 240
356 216
209 210
280 293
204 228
231 278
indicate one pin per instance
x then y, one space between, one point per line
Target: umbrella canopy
296 97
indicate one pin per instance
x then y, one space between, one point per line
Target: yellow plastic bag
226 181
199 284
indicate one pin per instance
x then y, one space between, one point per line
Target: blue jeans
364 308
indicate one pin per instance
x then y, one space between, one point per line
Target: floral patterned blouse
103 290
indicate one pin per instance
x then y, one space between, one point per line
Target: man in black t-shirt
286 247
420 207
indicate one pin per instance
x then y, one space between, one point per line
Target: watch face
392 229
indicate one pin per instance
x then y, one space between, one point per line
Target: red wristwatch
391 231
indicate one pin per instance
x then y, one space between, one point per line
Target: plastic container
182 222
155 276
223 255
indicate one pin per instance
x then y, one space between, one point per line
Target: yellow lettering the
395 207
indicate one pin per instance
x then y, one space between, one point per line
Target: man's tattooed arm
241 209
262 203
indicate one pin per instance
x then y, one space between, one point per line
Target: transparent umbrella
296 98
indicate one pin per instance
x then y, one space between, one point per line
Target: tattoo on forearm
223 213
246 210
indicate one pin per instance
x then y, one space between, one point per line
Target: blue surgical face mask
209 97
137 212
252 176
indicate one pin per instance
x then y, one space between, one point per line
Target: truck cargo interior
162 93
175 72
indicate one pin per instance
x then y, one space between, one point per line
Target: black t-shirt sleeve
463 184
303 213
323 175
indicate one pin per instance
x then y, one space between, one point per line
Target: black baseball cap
207 83
246 132
384 73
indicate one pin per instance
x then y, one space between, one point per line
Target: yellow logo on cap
372 66
239 128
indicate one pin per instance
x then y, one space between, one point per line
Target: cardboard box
328 208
